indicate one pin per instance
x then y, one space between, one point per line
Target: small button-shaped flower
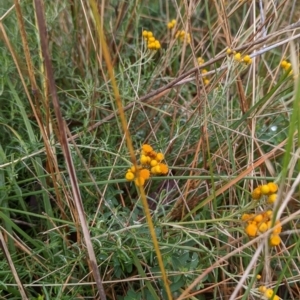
269 213
206 81
251 230
269 293
277 227
129 176
171 24
159 156
258 218
200 60
144 159
272 198
262 288
285 65
153 163
146 148
156 169
157 45
265 189
163 168
274 240
247 60
183 36
150 34
153 154
151 39
245 217
238 57
263 227
145 34
144 173
229 51
256 194
204 71
273 187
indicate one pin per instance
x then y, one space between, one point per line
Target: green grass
220 141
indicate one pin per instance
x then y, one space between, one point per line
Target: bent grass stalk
129 141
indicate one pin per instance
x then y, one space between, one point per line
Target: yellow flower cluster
151 164
268 293
152 43
268 190
238 57
287 66
183 36
171 24
203 71
257 224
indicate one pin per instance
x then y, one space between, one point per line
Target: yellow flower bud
272 198
145 34
144 173
277 227
159 156
150 34
265 189
228 51
206 81
164 168
283 64
238 57
273 187
263 227
129 176
251 230
247 59
269 293
153 163
157 45
245 217
258 218
256 194
262 288
144 159
147 148
275 240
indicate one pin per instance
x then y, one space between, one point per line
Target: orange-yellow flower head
256 194
129 176
272 198
247 60
269 293
164 168
144 173
238 57
147 148
263 227
251 230
171 24
273 187
275 240
159 156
